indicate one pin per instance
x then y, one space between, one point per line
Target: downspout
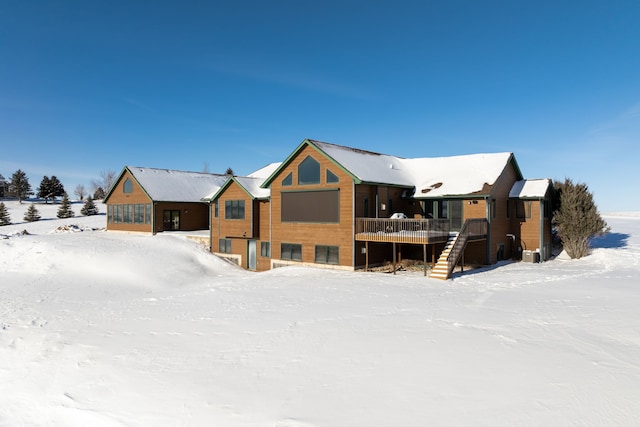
487 200
210 226
354 202
377 202
542 247
153 219
270 229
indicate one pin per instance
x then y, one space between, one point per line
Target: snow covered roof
430 176
252 186
530 188
176 186
265 171
367 166
458 175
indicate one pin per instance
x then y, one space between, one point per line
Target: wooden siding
264 209
311 234
527 229
237 227
136 196
500 224
255 226
193 216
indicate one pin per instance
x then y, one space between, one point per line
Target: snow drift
114 329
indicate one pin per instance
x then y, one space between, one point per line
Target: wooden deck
414 231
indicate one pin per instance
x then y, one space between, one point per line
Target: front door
171 220
251 254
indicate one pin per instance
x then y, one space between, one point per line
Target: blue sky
92 86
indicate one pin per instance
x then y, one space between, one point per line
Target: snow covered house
155 200
240 220
342 207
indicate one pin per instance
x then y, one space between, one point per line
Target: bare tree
105 181
80 191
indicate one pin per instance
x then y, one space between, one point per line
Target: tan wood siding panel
311 234
193 216
236 227
500 224
136 196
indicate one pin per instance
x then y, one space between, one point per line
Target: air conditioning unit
530 256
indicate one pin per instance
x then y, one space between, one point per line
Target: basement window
327 254
291 251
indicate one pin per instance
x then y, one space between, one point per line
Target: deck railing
418 230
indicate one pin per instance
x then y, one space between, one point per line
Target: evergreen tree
57 189
577 218
5 218
44 191
99 194
19 185
50 188
32 214
65 211
89 207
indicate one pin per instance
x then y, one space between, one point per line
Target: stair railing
472 228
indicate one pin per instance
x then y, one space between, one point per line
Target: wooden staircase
472 229
441 269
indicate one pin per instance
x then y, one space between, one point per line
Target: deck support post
394 258
366 256
424 258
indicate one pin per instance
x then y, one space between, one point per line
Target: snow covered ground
114 329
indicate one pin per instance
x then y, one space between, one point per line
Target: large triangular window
309 171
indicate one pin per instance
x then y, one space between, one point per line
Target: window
127 218
327 254
288 180
365 208
265 249
109 214
309 171
332 178
523 209
311 206
215 209
225 246
117 214
127 187
147 214
493 208
291 251
234 209
138 214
